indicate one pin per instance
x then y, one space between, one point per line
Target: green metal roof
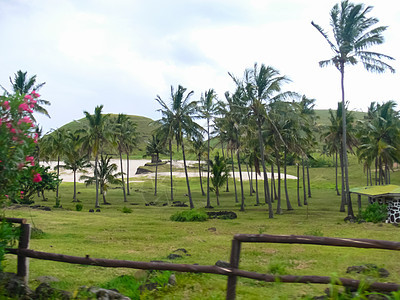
378 190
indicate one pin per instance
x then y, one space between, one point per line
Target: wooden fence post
23 261
234 264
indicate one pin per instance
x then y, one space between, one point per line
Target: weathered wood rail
232 272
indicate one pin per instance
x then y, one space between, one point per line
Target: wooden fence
23 252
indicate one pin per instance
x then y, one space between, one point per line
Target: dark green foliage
37 233
78 207
189 216
321 162
8 236
132 287
126 210
375 213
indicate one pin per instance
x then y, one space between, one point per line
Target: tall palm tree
263 85
207 110
105 174
122 132
22 84
219 171
199 148
177 121
353 33
333 137
74 157
92 141
155 147
54 144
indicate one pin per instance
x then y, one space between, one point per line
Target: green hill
323 115
144 129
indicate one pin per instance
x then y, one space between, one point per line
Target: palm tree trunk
304 184
208 165
97 180
343 201
217 194
278 165
257 198
288 204
336 174
104 196
127 174
298 185
201 181
58 174
227 181
308 179
74 186
187 178
170 168
233 176
122 176
350 212
155 182
241 180
273 195
266 188
250 183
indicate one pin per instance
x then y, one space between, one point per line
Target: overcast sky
123 53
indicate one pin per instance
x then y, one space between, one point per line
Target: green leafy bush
375 213
8 236
78 206
189 216
126 210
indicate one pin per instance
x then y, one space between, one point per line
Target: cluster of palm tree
74 150
249 122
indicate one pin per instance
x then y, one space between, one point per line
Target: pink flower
28 97
25 120
22 192
9 125
30 159
23 107
34 94
6 105
37 178
12 130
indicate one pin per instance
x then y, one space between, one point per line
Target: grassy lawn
148 234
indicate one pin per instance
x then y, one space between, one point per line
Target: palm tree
92 142
379 136
199 147
177 121
333 138
104 176
23 85
155 147
262 85
74 158
123 132
207 109
353 34
219 171
55 144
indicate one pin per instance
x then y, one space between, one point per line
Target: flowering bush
17 143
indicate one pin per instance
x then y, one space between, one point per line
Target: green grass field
148 234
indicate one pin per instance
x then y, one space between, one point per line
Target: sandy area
67 176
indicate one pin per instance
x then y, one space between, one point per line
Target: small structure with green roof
383 194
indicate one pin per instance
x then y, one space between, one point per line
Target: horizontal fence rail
23 252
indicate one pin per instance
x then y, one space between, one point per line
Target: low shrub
189 216
78 207
375 213
37 233
126 210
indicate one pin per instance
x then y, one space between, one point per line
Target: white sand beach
134 164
